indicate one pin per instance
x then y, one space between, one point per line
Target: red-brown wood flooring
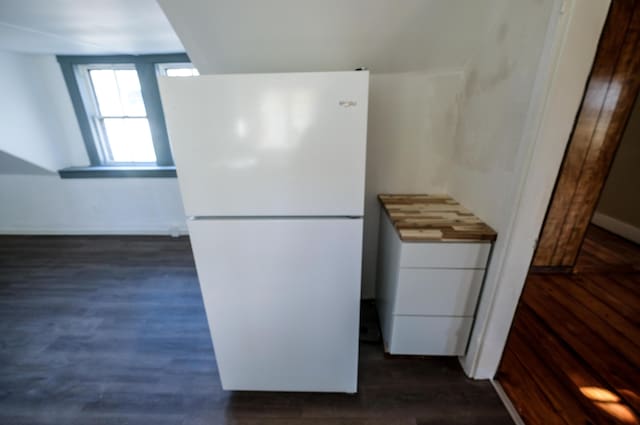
573 354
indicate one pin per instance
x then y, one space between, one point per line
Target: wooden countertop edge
489 237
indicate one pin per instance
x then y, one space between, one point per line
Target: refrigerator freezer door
269 144
282 300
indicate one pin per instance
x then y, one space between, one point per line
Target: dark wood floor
111 330
573 354
602 251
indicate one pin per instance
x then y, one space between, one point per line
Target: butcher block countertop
434 218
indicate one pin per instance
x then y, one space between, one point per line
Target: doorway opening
573 352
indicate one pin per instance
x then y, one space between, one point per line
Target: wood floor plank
631 282
613 368
561 290
579 325
564 402
567 370
614 327
112 330
519 385
602 251
619 298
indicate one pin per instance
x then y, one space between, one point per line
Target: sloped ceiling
228 36
10 164
85 27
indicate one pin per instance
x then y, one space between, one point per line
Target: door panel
269 144
282 300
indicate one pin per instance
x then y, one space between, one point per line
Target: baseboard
616 226
150 231
507 403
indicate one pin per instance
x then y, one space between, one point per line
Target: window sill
117 171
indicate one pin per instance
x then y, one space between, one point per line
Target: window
177 70
113 100
117 104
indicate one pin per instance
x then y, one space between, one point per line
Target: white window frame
96 119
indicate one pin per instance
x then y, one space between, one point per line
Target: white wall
412 117
461 131
39 127
31 204
499 78
489 142
31 129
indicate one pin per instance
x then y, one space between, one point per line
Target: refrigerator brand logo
347 103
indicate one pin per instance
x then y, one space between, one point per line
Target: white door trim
564 68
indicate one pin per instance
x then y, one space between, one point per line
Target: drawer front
438 292
444 254
435 336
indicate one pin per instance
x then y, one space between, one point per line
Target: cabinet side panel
388 270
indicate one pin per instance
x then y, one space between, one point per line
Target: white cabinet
427 292
438 292
430 335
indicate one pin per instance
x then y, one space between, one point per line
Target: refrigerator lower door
282 300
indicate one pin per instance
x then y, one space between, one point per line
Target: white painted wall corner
616 226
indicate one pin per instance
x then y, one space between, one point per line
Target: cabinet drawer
422 335
438 292
444 254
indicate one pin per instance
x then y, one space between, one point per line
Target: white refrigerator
271 168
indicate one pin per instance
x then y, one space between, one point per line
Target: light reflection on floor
610 403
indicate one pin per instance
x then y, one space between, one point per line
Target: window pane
181 72
106 90
118 92
129 140
130 93
177 69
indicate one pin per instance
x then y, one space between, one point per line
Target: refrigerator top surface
269 144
